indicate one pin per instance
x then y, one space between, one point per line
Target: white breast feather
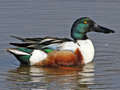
87 50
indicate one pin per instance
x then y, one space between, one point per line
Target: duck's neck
78 33
78 36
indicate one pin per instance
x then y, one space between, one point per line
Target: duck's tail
22 39
22 54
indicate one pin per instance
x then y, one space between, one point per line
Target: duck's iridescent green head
83 25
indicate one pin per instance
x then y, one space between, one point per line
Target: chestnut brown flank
80 59
62 58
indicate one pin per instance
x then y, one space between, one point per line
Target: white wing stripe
45 40
17 52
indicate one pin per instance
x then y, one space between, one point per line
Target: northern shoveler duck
53 51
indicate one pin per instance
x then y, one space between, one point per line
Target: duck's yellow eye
85 22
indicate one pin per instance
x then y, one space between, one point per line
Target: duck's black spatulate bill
98 28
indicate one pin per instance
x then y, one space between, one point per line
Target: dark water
39 18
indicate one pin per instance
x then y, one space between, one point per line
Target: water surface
39 18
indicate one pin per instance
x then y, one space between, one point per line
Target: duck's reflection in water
35 77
